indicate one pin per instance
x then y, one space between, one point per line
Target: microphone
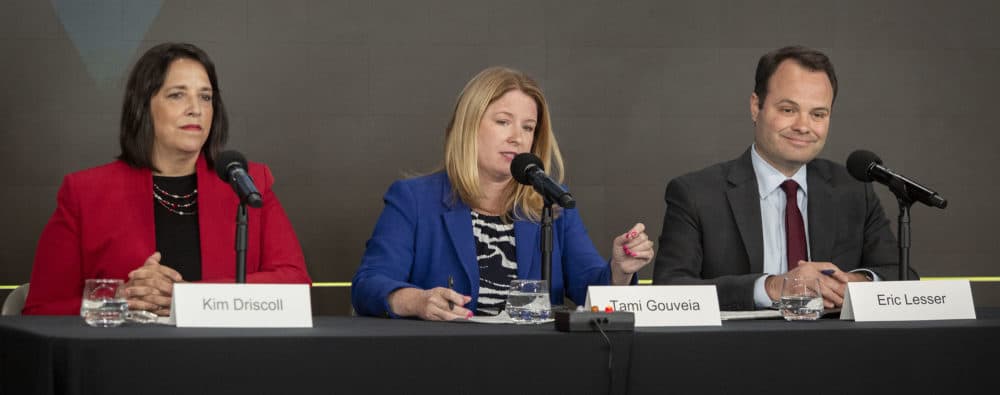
232 168
867 167
527 169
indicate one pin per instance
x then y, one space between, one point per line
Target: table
842 357
61 355
373 355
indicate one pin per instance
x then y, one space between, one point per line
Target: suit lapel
744 200
822 206
217 205
140 191
526 238
458 221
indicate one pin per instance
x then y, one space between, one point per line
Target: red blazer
103 228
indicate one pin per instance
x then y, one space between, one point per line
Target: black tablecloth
825 356
373 355
338 355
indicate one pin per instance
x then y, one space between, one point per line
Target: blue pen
828 272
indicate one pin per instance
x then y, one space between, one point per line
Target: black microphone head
520 165
859 162
226 160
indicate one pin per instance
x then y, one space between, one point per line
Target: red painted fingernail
468 315
632 234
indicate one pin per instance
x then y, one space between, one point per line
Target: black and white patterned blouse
497 257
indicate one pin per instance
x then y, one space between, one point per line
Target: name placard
908 301
660 305
242 305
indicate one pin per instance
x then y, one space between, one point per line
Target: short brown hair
806 57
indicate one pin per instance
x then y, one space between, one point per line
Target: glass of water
104 303
801 299
528 301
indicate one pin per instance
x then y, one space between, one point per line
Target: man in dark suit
728 225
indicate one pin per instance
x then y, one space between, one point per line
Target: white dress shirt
772 220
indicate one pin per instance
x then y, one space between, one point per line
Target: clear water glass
801 299
104 303
528 301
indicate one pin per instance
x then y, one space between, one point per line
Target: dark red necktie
795 230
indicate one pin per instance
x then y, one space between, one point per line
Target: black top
177 236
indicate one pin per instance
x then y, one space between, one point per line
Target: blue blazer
425 234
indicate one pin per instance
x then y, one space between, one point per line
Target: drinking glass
104 303
528 301
801 299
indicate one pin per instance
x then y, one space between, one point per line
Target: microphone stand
903 197
904 239
241 244
547 243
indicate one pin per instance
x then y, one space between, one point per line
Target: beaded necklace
177 203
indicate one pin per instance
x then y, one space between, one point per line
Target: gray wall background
341 98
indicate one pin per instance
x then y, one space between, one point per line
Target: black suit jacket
712 228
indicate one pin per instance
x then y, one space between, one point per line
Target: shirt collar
769 178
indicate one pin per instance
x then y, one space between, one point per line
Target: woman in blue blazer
473 223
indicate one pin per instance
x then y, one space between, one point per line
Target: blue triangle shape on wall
106 33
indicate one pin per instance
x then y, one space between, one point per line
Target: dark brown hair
806 57
137 134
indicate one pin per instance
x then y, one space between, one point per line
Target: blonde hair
461 150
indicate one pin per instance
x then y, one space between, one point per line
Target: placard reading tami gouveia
660 305
242 305
908 301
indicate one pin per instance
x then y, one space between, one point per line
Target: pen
828 272
451 285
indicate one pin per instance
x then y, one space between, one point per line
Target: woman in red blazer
159 215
